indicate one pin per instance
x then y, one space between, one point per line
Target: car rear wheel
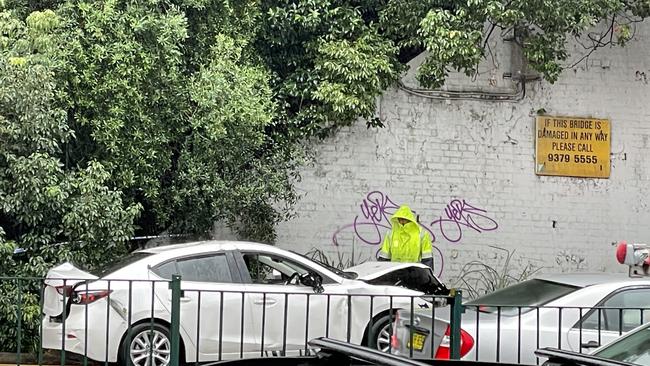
380 334
148 347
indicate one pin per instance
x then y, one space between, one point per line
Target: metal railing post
175 286
456 315
19 320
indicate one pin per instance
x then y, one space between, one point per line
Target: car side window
166 270
271 270
209 268
623 311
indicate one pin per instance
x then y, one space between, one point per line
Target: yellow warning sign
572 146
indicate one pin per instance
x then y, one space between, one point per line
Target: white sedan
576 312
239 300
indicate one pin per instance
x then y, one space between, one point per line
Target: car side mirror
312 280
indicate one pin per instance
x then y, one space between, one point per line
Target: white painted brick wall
433 151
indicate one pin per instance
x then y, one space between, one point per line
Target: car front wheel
148 346
380 334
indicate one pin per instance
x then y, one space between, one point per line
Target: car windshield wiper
348 275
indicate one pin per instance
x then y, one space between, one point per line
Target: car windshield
111 266
634 348
527 295
348 275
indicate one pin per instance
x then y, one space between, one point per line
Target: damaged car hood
371 270
414 276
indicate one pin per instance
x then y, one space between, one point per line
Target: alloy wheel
150 349
383 338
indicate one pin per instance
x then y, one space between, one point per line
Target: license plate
418 341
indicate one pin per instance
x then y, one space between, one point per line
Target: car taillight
466 344
64 290
87 297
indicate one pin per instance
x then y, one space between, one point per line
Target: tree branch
487 37
598 43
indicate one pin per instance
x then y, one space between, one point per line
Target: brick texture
432 152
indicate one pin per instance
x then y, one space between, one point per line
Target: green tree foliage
42 200
330 61
109 126
456 35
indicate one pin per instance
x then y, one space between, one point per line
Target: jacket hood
404 212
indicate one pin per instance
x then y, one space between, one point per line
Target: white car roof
166 252
591 279
211 245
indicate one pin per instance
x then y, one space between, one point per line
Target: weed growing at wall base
478 278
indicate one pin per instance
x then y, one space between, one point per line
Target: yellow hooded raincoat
408 242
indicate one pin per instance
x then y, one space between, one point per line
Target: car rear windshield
112 266
528 295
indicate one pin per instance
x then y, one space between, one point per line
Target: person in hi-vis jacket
407 241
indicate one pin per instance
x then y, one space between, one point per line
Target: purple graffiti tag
460 213
376 209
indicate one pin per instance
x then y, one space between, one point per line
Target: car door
211 306
618 313
287 315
